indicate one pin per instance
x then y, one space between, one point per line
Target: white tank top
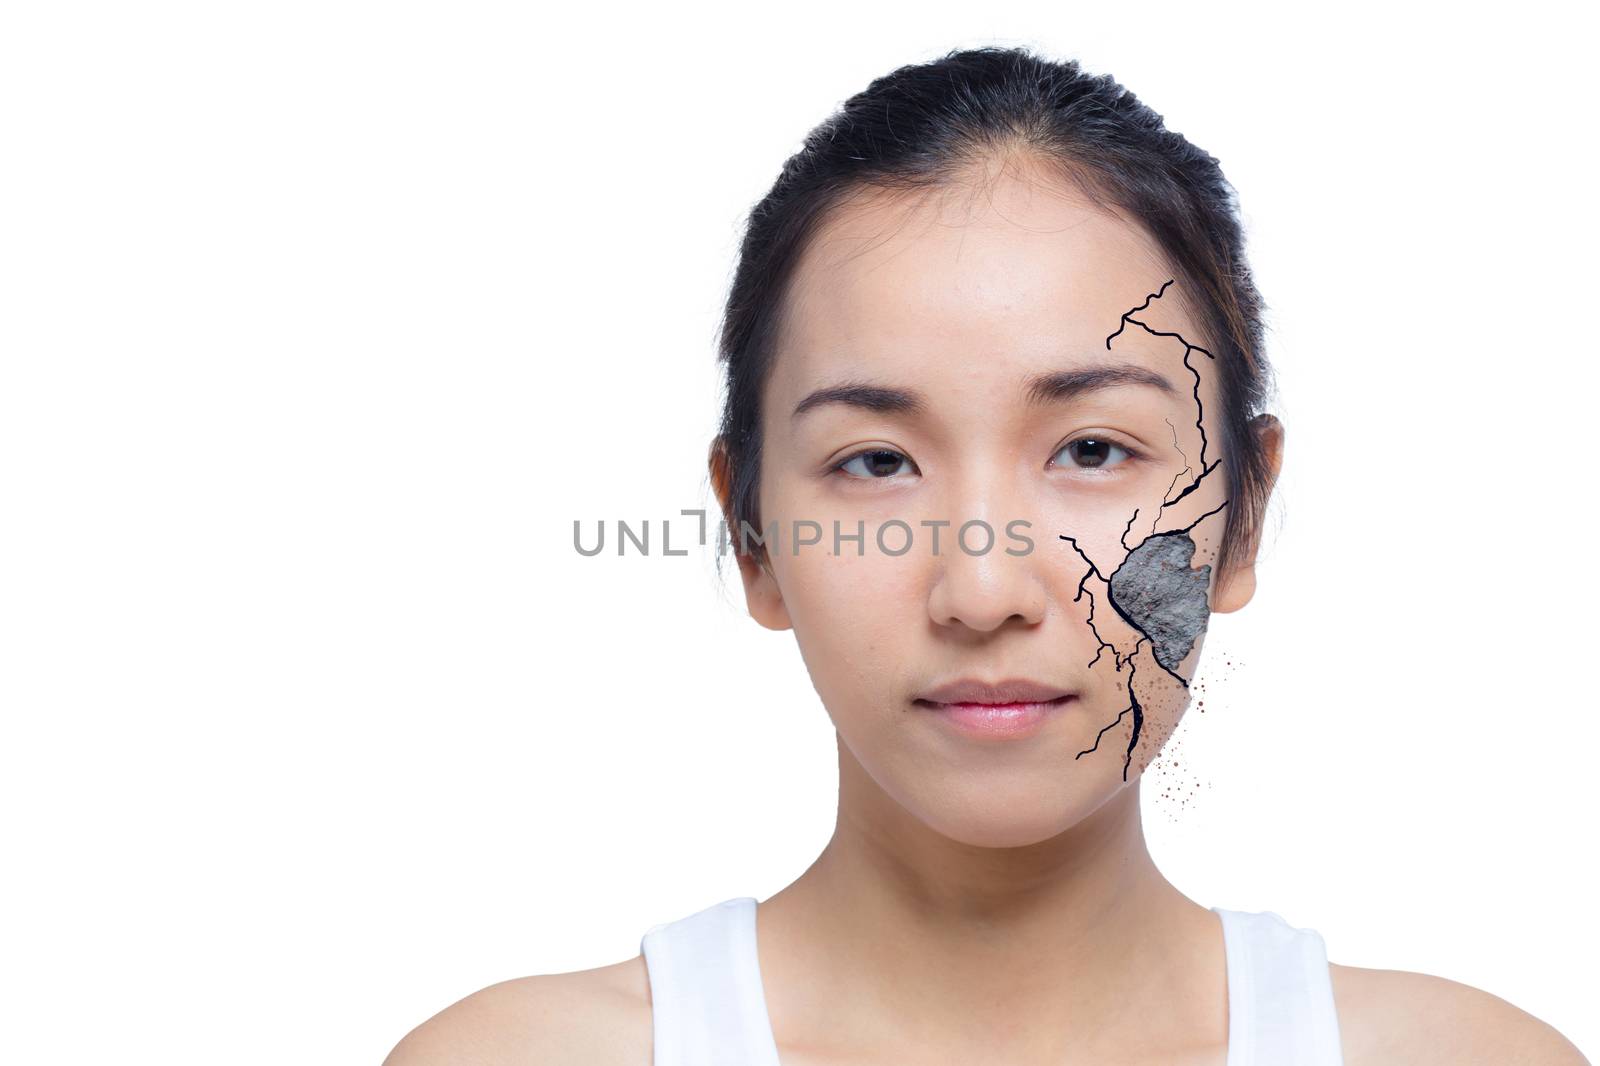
709 1008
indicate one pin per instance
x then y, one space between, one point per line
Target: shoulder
1389 1017
599 1016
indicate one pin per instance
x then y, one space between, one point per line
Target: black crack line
1082 582
1142 307
1112 600
1103 644
1134 706
1187 469
1188 350
1199 421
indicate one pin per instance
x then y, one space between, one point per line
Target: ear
762 597
1237 587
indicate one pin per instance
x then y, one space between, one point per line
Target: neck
903 934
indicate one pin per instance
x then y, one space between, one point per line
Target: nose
984 590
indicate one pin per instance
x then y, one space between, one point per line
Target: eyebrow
1059 386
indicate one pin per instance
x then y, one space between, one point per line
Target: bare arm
1392 1017
578 1017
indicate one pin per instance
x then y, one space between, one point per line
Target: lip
996 710
1009 690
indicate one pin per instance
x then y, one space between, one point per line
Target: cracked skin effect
1154 590
976 303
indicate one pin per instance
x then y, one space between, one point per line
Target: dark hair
923 125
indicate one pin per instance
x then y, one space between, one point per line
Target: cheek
855 620
1150 593
1165 598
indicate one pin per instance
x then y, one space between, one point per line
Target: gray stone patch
1156 588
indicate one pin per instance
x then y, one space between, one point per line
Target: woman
993 449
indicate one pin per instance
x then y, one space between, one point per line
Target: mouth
1005 710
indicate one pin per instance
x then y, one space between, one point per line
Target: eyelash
1134 455
838 467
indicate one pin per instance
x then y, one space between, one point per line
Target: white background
322 322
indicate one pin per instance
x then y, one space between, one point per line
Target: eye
875 464
1096 453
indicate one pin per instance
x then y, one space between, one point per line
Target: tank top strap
1280 994
707 1003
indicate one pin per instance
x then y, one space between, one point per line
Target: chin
1018 817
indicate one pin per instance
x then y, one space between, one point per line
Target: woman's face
939 368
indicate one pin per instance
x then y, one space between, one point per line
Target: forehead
997 276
